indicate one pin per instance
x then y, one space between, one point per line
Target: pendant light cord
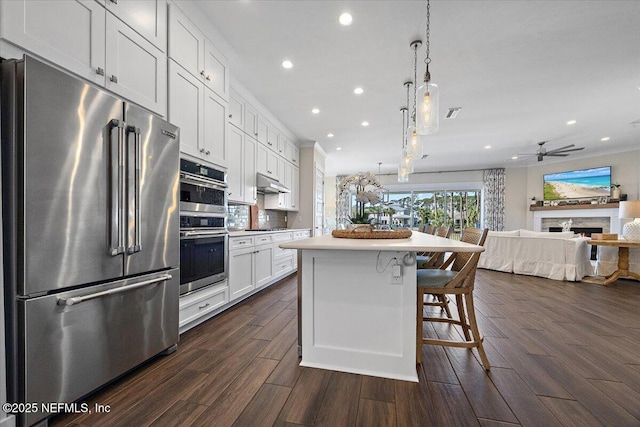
415 80
427 59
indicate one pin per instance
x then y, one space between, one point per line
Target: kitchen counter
242 233
355 315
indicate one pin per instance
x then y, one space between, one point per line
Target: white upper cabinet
70 34
263 131
250 120
266 161
214 144
295 154
200 114
236 110
84 38
136 69
147 17
272 138
235 175
249 163
190 48
186 104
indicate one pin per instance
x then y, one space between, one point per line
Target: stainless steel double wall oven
204 238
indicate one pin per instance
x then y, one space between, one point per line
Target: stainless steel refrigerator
91 237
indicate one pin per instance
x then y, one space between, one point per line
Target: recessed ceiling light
514 157
487 147
287 64
345 19
572 122
358 91
315 111
338 148
606 138
365 123
329 135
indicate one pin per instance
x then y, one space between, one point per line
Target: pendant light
405 161
414 142
428 115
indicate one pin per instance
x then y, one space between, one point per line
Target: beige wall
625 170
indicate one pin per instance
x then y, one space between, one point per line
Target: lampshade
629 209
631 230
427 118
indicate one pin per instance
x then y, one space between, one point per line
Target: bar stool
458 281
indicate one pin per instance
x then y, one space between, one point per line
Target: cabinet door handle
229 193
114 1
208 77
202 150
100 71
231 116
207 152
202 73
114 78
201 307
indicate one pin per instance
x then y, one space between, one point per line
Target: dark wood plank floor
563 354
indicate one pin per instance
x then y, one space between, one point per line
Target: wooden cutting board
253 217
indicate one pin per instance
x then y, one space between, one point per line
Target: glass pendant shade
407 161
414 143
403 174
428 114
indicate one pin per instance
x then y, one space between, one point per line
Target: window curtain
493 189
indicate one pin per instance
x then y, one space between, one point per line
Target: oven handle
78 300
196 180
197 234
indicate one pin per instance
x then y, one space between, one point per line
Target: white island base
355 317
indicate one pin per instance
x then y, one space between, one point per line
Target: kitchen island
357 302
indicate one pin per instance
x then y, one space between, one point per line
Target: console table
623 258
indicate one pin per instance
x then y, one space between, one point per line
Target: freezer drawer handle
78 300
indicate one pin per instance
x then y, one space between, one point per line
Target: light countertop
242 233
418 242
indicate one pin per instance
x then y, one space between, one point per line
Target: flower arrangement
367 189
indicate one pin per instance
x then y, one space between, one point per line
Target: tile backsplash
239 217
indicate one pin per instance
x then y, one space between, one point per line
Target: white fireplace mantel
587 212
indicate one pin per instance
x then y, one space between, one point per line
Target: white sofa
558 256
608 260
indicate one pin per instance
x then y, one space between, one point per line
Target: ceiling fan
556 152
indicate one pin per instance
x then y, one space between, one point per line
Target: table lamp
631 230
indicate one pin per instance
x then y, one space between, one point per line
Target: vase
615 194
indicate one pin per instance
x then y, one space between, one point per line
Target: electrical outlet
267 217
396 275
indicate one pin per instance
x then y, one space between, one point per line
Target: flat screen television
578 184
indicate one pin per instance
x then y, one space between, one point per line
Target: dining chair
455 277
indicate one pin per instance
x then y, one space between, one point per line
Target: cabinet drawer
259 240
282 266
240 242
301 234
202 302
279 253
282 237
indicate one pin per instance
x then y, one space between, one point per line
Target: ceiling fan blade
561 148
569 150
557 155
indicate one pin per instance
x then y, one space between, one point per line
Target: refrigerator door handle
116 214
78 300
134 160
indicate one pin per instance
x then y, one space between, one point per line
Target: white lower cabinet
197 304
263 264
241 271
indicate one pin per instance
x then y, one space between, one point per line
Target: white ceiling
519 69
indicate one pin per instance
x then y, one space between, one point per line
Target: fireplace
585 232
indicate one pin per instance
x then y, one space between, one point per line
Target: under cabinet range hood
269 185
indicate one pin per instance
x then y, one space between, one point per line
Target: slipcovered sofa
558 256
